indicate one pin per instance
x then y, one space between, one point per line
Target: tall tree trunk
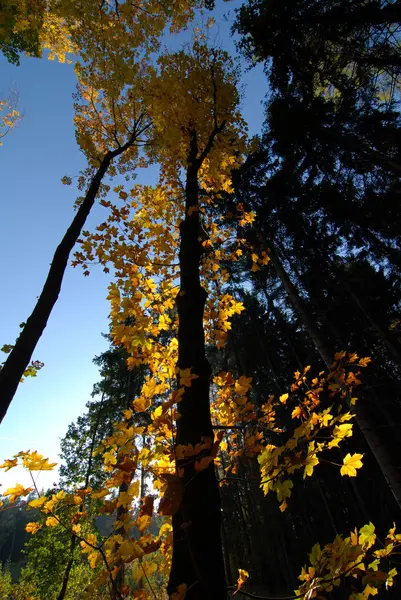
18 359
197 551
380 329
367 427
73 543
120 577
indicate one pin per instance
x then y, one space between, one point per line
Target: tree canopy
243 437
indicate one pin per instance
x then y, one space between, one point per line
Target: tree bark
197 550
18 359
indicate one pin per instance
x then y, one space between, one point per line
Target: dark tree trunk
365 422
68 568
197 549
18 359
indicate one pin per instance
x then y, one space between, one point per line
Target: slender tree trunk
197 551
367 427
120 577
18 359
68 568
73 543
379 328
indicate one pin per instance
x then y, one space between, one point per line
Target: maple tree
173 255
111 123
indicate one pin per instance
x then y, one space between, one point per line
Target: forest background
295 236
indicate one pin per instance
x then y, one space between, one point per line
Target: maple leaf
52 522
185 377
37 502
311 460
367 536
351 464
34 461
315 555
94 559
130 549
142 404
297 413
17 491
9 464
32 527
243 385
369 591
340 432
283 489
128 414
243 577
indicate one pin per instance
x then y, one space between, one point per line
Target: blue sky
35 211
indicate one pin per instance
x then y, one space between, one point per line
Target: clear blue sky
35 211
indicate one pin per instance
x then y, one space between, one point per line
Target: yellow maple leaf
342 431
17 491
128 414
283 398
94 558
32 527
37 502
186 377
367 536
91 540
9 464
52 522
370 591
350 464
142 404
33 461
311 460
129 548
243 385
283 489
296 413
